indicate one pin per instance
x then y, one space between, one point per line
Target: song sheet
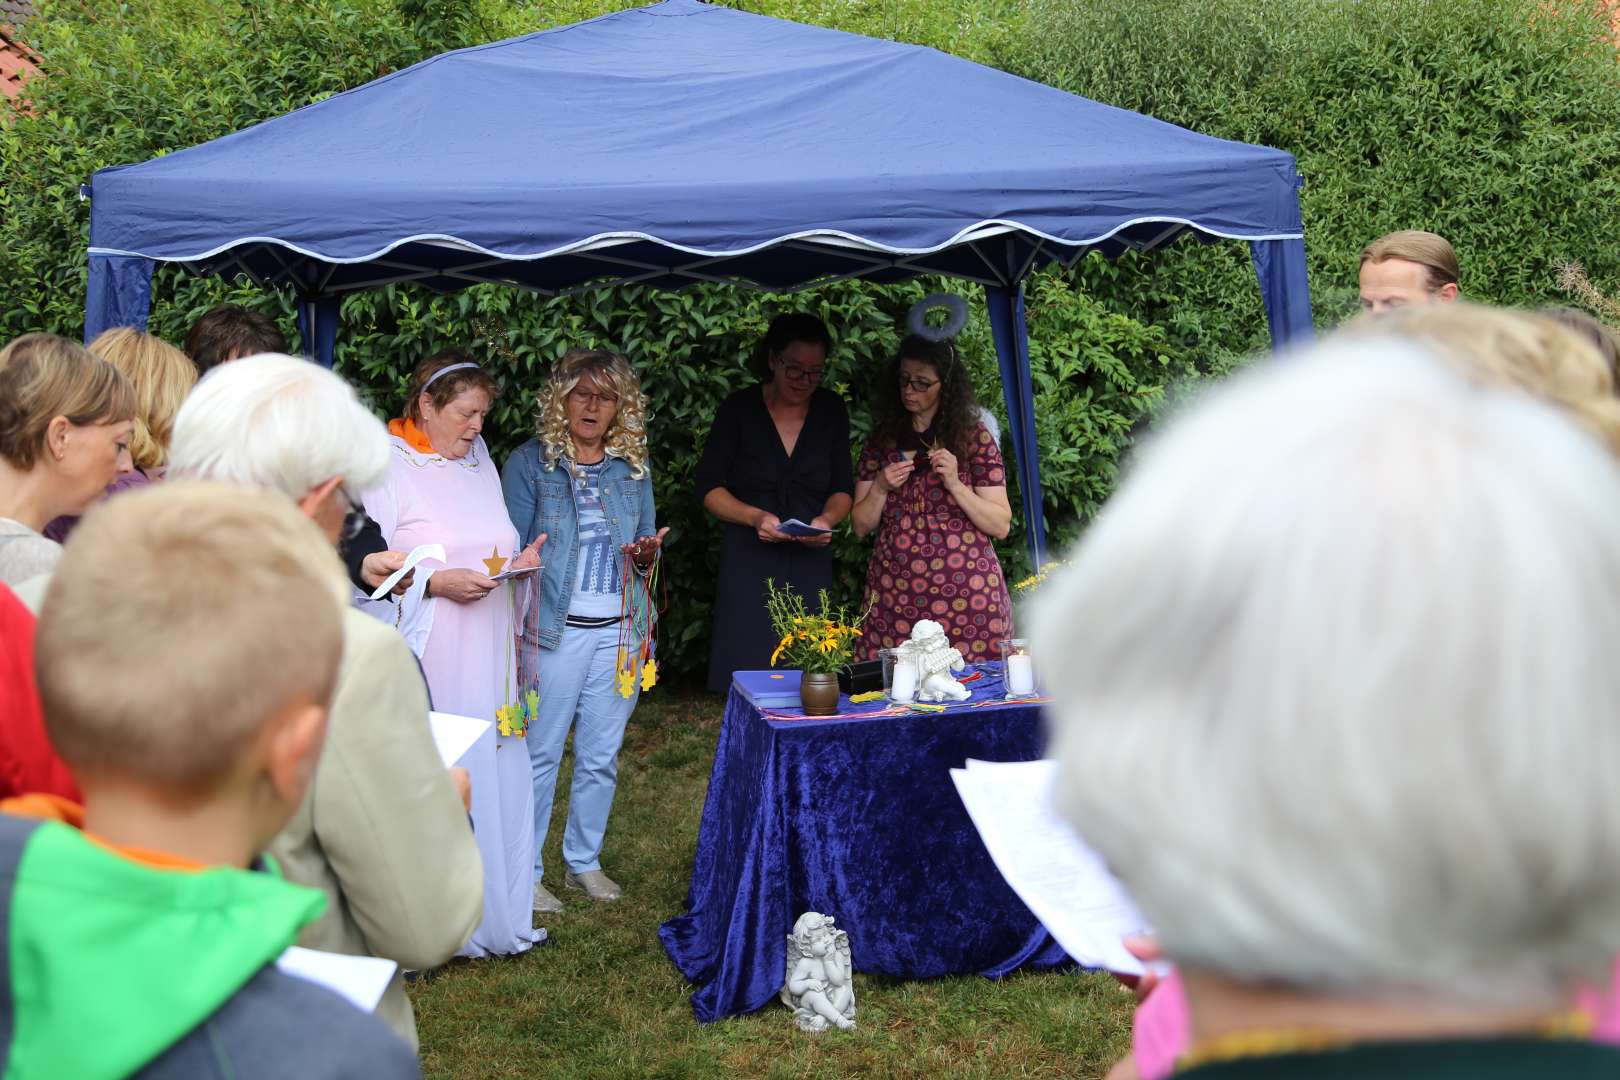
1063 881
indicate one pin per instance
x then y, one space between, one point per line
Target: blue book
768 689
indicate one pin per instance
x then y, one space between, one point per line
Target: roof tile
17 63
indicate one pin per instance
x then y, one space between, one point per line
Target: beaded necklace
470 462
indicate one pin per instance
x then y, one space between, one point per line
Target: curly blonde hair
626 437
1502 347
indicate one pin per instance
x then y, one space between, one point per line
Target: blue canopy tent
681 143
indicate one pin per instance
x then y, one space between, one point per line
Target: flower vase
818 692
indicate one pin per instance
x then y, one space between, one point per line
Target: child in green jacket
186 654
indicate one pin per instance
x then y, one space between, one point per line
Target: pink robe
468 653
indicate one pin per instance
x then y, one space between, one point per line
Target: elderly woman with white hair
1351 625
383 831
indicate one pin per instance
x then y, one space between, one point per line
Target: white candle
904 687
1020 674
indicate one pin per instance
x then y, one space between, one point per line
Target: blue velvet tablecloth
855 817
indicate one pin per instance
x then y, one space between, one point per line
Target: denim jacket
541 500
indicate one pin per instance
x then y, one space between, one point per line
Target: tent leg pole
1280 266
317 327
1008 328
119 294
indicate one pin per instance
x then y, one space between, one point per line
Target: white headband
445 371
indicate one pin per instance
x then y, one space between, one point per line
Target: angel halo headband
956 315
437 375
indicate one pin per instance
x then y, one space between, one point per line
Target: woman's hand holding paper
376 567
460 585
529 557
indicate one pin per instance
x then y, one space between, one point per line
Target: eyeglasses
354 518
803 374
587 397
922 386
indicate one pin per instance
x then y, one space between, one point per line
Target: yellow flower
649 675
828 645
787 640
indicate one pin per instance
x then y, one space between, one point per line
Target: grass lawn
601 999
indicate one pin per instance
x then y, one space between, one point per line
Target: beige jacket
382 832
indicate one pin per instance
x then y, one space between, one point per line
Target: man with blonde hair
1408 268
187 688
383 832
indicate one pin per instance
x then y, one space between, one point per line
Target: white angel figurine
931 651
819 988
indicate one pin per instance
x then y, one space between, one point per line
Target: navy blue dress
744 455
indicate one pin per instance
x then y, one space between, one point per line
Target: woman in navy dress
776 451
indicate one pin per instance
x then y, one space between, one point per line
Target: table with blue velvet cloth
854 816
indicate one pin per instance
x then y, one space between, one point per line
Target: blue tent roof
682 142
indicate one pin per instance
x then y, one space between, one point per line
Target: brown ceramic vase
818 691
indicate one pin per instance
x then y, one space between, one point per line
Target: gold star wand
494 562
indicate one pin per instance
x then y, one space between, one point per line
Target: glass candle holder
900 676
1017 669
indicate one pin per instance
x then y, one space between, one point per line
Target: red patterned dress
932 562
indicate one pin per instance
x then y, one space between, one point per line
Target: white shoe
544 902
594 883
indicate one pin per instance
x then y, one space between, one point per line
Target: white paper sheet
360 979
418 553
507 575
795 527
1064 882
454 735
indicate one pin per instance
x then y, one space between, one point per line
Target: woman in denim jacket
585 484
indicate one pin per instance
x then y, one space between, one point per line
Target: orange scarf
414 436
55 808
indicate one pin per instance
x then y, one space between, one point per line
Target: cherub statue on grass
819 986
931 650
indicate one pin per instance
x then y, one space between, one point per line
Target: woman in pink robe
443 488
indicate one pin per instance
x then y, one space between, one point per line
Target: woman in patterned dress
931 484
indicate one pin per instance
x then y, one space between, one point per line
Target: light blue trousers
577 691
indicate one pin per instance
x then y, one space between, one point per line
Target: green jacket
114 968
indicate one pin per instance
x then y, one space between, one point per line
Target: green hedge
1493 122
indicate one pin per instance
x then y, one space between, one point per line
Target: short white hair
1336 683
278 422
